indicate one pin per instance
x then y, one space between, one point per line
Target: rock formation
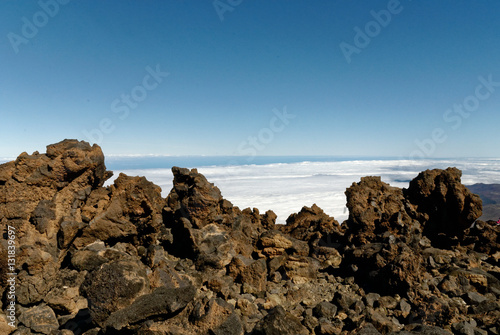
121 259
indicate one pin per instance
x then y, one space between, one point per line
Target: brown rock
132 213
278 321
374 207
443 204
194 198
311 223
273 243
40 319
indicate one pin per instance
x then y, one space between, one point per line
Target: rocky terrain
123 260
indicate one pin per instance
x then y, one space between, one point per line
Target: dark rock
368 329
485 307
114 286
371 298
40 319
312 224
466 328
132 214
64 297
374 207
325 309
279 322
345 300
485 236
194 198
326 327
163 301
423 330
68 233
443 203
474 298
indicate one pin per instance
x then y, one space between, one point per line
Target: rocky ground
123 260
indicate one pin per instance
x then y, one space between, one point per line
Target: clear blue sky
66 71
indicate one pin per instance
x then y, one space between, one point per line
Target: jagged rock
130 212
423 330
214 246
301 269
64 297
274 243
325 309
310 222
466 328
37 277
194 198
278 321
50 184
216 316
474 298
368 329
484 236
40 319
326 327
100 260
207 228
321 232
443 203
374 208
249 272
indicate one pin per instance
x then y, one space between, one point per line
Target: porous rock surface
121 259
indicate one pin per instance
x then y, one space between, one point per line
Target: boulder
114 286
161 302
374 207
442 203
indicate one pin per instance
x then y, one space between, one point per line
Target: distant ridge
490 194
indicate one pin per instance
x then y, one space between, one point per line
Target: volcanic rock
445 206
121 259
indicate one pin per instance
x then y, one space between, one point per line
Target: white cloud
286 187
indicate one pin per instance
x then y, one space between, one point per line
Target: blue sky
257 77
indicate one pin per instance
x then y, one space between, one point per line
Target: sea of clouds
286 187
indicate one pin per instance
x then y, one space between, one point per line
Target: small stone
41 319
371 298
325 309
474 298
405 308
278 321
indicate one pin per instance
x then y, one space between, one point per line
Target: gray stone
474 298
40 319
114 286
325 309
368 329
280 322
162 301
